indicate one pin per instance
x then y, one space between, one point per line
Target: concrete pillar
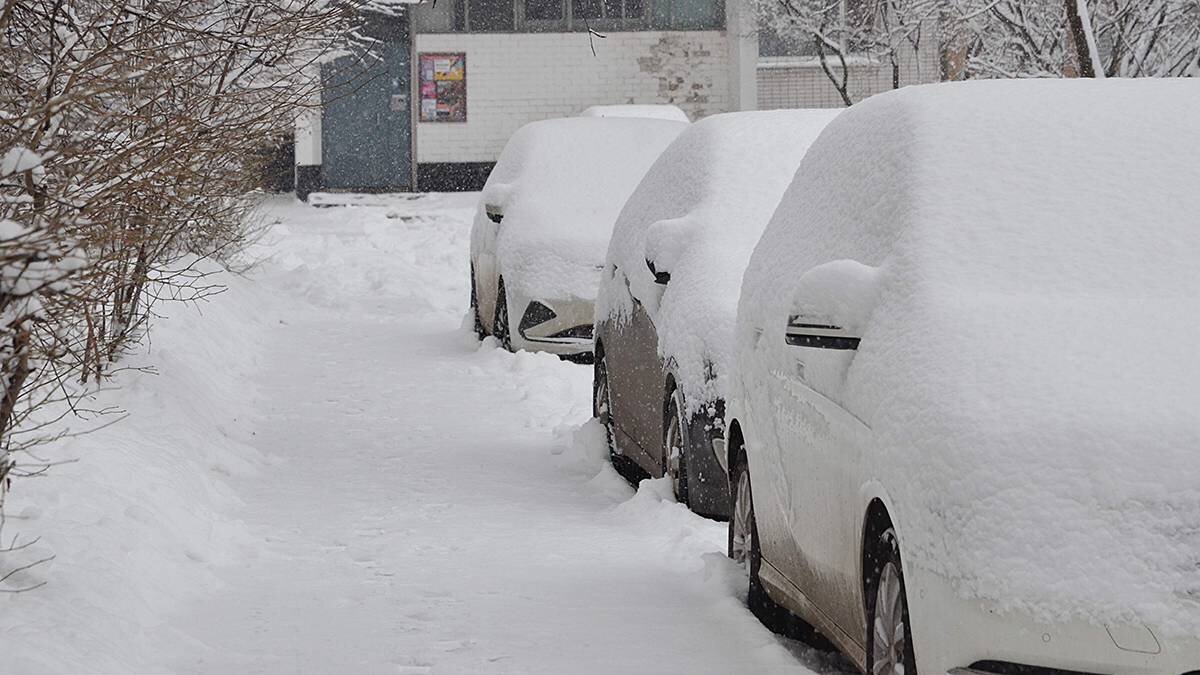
308 152
741 29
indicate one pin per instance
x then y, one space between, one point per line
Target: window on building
689 14
586 9
545 10
490 16
607 14
553 15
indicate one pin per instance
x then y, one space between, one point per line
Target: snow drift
140 515
1029 369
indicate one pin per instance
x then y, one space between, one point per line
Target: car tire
889 633
675 435
744 549
500 326
480 333
602 411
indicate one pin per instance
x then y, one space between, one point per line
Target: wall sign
443 82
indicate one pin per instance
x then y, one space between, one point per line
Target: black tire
480 333
775 617
500 324
886 565
673 420
602 411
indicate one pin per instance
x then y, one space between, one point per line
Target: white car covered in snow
668 296
964 427
659 111
543 225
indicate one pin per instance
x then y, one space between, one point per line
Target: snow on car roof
561 184
648 111
1029 369
698 213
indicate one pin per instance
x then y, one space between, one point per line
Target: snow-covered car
658 111
543 224
964 425
668 295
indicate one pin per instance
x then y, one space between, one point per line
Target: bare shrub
129 133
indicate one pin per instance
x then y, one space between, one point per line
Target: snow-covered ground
332 475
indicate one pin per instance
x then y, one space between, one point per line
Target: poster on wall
443 81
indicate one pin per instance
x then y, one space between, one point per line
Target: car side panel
487 269
621 349
826 480
646 391
764 451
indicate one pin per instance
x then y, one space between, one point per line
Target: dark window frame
655 15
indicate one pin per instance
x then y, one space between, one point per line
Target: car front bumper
555 326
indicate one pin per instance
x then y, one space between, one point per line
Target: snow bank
1039 305
561 184
647 111
707 587
697 214
137 523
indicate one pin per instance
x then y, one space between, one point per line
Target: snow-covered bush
127 132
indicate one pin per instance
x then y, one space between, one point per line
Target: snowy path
428 504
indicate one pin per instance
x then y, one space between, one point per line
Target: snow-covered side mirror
661 277
666 241
495 200
832 304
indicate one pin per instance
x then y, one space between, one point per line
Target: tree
836 32
128 133
1114 38
996 38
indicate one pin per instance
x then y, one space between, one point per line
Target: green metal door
366 130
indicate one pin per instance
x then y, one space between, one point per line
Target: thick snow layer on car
1029 367
560 184
697 214
661 112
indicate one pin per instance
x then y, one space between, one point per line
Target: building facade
457 77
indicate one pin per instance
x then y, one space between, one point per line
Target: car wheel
675 446
744 550
500 325
889 634
602 411
480 333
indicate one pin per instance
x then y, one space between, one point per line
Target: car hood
549 266
1043 453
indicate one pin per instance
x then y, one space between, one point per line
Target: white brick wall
513 79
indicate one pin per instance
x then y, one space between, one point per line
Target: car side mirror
494 213
660 277
832 304
818 335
